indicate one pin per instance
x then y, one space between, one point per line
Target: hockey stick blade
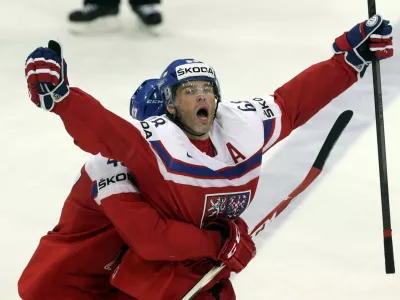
338 127
330 141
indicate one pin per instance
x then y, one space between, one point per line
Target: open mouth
202 114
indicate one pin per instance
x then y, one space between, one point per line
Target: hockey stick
333 136
380 136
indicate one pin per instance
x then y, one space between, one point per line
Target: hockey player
204 156
76 258
147 102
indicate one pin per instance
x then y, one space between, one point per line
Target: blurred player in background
147 11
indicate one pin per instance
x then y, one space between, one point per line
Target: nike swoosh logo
188 155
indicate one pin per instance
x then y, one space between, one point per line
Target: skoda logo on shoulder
372 21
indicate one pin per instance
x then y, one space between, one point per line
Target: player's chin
203 125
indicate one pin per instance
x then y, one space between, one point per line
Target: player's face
195 103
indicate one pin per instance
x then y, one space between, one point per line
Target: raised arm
311 90
97 130
94 128
307 93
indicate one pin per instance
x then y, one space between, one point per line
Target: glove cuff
59 93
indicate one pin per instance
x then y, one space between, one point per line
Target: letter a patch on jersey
235 153
230 205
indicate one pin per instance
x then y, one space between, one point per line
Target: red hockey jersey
185 184
75 259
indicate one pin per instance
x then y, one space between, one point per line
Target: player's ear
171 109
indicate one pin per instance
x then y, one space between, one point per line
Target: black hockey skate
148 14
94 19
91 12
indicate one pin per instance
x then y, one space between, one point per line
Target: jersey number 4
114 162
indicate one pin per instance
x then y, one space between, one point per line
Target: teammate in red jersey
204 156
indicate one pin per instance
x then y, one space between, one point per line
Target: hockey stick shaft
383 177
333 136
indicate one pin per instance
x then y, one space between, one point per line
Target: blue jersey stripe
94 191
268 124
200 171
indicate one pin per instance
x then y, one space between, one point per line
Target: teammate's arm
141 226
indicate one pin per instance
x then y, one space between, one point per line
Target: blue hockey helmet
147 101
185 70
